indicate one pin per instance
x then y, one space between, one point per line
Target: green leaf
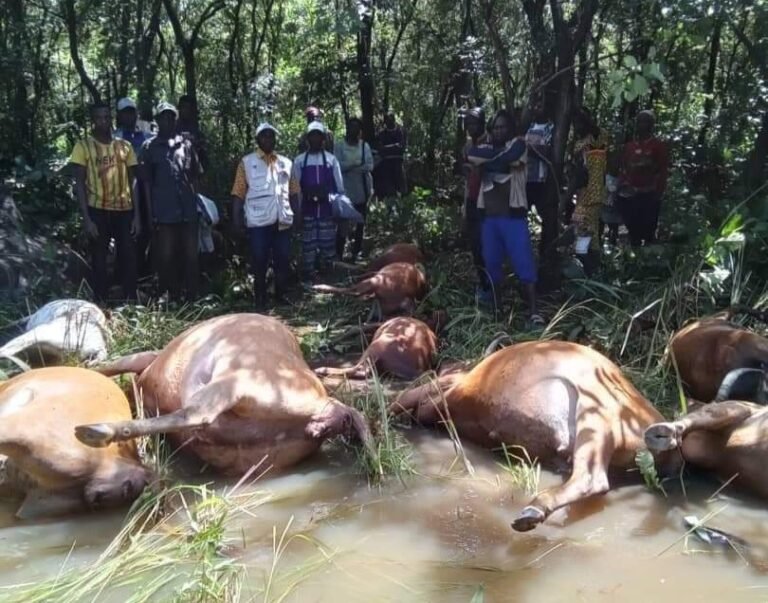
630 95
647 465
630 61
640 85
479 596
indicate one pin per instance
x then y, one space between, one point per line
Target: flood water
444 533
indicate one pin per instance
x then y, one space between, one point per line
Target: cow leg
201 409
592 454
712 417
134 363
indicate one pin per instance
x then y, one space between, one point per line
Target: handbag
343 209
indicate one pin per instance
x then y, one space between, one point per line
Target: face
389 120
539 114
473 126
266 141
315 140
102 120
353 130
313 116
127 119
501 130
166 123
644 125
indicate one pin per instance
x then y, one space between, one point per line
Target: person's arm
368 160
294 193
239 192
480 154
136 226
341 157
82 199
338 179
145 180
662 163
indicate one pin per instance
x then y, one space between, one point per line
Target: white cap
125 103
266 126
162 107
316 126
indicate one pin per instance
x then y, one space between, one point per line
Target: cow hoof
661 437
97 435
529 518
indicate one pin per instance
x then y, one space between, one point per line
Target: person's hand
90 228
136 227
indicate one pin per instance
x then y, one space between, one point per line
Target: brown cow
39 410
561 401
714 354
234 390
729 438
399 252
404 347
395 287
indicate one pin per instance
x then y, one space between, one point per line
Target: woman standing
642 181
356 162
589 158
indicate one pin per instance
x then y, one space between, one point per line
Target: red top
644 165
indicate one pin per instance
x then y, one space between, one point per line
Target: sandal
537 320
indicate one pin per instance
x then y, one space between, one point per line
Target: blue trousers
265 242
503 236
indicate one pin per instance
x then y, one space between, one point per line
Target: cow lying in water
718 360
395 287
39 410
561 401
234 390
729 438
403 347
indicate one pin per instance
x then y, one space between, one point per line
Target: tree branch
71 22
209 12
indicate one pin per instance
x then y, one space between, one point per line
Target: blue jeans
503 236
264 241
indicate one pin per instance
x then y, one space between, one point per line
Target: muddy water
445 534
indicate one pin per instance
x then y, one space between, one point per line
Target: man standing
170 167
105 185
312 114
389 177
188 126
128 129
642 181
261 199
539 140
316 176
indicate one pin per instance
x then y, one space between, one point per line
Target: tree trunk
364 73
499 53
709 83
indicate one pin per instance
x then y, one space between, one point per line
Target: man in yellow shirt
105 185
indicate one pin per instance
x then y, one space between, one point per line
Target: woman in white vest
260 197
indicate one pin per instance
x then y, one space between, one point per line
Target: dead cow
396 287
561 401
234 390
399 252
719 360
39 410
729 438
403 347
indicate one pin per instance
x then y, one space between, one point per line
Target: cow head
118 483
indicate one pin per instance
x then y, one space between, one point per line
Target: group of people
273 196
140 188
508 173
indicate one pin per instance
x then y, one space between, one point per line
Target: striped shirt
107 180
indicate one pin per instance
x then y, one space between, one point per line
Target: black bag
580 176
